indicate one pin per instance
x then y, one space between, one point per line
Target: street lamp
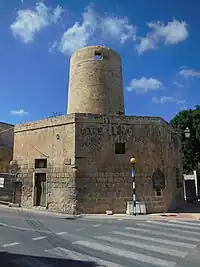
133 162
187 132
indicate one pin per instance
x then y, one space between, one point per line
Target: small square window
119 148
98 55
40 163
158 193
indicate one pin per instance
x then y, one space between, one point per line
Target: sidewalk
188 212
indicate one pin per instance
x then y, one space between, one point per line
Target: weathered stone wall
95 86
52 139
6 145
103 178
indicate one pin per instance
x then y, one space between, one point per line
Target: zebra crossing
149 243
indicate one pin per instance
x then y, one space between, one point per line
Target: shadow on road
20 260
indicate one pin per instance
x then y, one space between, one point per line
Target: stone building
79 163
6 145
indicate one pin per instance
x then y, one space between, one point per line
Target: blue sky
158 42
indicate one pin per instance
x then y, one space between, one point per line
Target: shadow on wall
16 260
189 208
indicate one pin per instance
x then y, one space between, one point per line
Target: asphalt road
28 239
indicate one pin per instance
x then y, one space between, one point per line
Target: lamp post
133 161
187 133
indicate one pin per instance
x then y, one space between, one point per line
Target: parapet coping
90 118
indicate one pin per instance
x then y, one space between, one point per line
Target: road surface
33 240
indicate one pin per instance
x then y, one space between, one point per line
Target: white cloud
144 85
177 84
172 33
19 112
118 29
31 21
56 14
80 34
189 73
167 99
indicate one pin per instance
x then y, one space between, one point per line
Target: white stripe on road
10 244
62 233
155 239
168 229
125 253
162 250
96 225
65 253
173 225
39 238
155 232
185 223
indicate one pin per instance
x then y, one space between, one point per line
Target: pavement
34 239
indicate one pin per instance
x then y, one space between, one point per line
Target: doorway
40 190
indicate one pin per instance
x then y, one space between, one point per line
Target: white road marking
39 238
155 239
65 253
62 233
171 229
185 223
80 229
3 224
162 250
125 253
96 225
10 244
155 232
173 225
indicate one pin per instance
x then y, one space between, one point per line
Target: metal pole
133 161
134 198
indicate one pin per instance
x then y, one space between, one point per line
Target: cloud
79 34
167 99
118 29
170 34
177 84
144 85
31 21
189 73
107 28
19 112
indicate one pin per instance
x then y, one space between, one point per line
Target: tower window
98 56
119 148
158 193
40 163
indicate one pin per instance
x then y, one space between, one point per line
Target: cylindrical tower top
95 82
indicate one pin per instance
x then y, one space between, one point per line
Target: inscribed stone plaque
1 182
158 180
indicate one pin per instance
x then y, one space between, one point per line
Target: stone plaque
158 179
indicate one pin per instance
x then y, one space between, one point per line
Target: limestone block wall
6 155
103 178
6 145
52 139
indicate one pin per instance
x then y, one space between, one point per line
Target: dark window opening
158 193
98 56
120 112
119 148
40 163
